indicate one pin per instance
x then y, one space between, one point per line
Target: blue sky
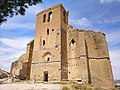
97 15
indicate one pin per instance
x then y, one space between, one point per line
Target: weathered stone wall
13 65
88 58
64 63
99 61
77 61
16 66
29 55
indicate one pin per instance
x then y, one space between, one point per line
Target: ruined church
61 53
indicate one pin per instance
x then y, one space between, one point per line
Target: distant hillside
117 81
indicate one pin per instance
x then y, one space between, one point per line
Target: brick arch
46 53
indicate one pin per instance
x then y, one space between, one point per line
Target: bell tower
50 45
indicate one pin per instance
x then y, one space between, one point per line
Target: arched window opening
49 16
64 18
44 18
48 58
47 31
43 42
73 41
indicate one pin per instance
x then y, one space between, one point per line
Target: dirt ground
28 86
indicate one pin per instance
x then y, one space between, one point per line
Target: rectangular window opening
43 42
44 18
64 18
47 31
49 16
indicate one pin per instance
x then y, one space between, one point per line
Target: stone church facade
59 52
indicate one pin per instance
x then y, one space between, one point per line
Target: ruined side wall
29 55
22 66
77 61
16 66
99 61
13 65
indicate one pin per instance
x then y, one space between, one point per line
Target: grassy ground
77 86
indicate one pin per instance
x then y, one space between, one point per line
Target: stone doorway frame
45 76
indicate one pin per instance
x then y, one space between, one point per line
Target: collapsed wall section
21 67
16 66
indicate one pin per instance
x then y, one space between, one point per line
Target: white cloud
115 57
113 37
35 9
13 26
10 56
12 50
82 23
14 47
109 1
18 43
113 19
26 22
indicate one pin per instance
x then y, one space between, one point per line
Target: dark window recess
56 46
79 80
49 16
43 42
44 18
52 29
48 59
64 18
47 31
72 41
45 76
57 33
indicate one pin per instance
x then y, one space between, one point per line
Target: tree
9 8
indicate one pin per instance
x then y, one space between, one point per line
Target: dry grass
77 86
65 88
